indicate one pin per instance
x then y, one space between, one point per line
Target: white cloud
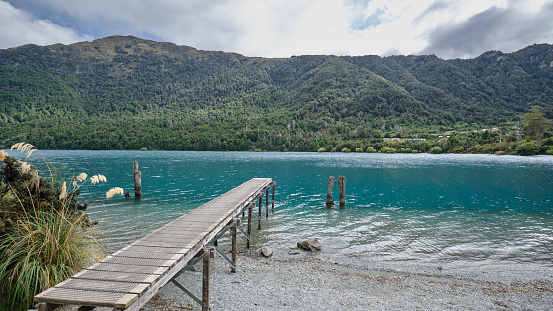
281 28
18 27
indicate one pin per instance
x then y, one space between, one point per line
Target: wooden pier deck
128 278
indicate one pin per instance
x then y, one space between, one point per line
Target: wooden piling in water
342 189
329 200
137 180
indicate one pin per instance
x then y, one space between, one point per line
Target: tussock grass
41 250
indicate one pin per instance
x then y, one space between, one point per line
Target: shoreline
300 152
307 282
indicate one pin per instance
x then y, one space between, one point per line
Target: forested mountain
129 93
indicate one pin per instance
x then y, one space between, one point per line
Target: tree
436 150
536 123
527 149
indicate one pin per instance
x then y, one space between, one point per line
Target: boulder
310 245
267 251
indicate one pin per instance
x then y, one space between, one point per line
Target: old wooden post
329 200
267 202
260 211
137 180
273 198
250 207
342 189
233 230
205 278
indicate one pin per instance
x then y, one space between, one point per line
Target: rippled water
446 211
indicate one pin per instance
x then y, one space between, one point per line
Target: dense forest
129 93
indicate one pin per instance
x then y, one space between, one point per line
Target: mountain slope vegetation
129 93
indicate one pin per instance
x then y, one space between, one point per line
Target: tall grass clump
41 250
45 235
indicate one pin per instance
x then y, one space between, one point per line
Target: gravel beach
300 280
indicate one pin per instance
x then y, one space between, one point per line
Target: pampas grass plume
63 193
23 147
82 177
25 167
3 155
114 191
98 178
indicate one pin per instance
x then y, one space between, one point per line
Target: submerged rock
310 245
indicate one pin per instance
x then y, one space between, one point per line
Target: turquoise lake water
471 213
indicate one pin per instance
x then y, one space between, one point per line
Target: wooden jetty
128 278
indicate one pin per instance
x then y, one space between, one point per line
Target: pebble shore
302 281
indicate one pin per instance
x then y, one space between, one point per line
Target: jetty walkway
128 278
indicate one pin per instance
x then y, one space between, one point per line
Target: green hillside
129 93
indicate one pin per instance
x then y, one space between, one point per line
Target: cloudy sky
282 28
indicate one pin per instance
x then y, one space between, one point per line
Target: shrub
371 150
435 150
322 149
345 150
358 149
549 152
527 149
548 142
388 150
44 235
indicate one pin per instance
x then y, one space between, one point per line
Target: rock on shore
310 245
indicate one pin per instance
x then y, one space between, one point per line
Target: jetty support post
250 207
233 232
329 200
205 278
137 180
200 256
260 211
342 189
267 202
273 199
